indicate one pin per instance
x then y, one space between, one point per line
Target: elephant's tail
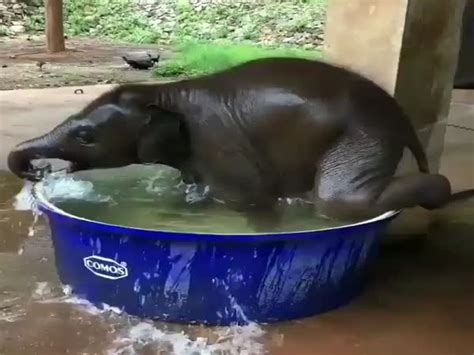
418 151
461 195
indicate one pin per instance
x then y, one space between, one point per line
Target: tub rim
46 206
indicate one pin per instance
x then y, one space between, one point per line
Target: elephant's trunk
20 158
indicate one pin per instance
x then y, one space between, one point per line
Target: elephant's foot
429 191
264 221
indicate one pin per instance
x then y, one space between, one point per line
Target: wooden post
54 26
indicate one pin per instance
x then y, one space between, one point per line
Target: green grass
196 58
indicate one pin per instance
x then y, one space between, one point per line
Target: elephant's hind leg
356 180
426 190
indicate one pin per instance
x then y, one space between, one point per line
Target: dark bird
40 64
141 60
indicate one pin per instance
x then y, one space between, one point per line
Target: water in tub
146 198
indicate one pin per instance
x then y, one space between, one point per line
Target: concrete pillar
410 48
464 78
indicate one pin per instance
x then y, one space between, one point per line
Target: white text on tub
105 267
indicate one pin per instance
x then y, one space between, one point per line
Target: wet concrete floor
420 299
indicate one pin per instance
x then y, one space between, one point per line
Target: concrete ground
420 300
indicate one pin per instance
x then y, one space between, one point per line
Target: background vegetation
206 35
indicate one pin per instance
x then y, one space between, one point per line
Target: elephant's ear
164 138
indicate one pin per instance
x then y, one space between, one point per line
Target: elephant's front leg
239 182
251 198
263 216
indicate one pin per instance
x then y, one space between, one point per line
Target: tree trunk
54 26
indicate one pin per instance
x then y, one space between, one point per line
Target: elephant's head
122 127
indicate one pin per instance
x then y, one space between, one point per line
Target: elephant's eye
85 137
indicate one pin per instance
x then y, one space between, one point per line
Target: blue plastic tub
215 279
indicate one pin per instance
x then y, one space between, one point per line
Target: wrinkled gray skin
268 128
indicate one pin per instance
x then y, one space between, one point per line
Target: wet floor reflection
420 301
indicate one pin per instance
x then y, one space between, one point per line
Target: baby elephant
265 129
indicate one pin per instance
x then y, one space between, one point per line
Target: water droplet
136 286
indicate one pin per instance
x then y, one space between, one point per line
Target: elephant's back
336 91
336 97
318 99
286 91
303 76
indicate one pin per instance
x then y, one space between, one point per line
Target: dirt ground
85 62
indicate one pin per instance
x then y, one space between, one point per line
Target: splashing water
235 340
195 193
24 200
134 335
233 302
58 187
62 188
